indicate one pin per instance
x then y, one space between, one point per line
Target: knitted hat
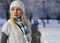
19 4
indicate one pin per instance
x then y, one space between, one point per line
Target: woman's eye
12 9
18 9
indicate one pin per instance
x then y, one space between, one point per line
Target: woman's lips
15 15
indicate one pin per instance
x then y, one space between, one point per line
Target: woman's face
16 12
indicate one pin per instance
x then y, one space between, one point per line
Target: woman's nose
15 10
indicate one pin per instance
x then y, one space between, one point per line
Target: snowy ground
0 34
2 21
50 34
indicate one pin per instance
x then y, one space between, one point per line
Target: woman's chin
16 17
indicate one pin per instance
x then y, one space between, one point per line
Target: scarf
21 24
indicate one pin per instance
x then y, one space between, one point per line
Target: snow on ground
50 34
51 21
2 21
0 34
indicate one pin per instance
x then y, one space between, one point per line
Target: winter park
42 15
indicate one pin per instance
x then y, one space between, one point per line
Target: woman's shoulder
6 27
7 23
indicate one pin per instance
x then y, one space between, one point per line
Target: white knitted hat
19 4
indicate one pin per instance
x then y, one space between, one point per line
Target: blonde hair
13 24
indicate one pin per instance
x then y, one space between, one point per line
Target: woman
14 29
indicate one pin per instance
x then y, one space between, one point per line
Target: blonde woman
14 29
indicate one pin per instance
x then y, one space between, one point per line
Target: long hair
13 24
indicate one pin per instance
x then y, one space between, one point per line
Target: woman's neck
18 19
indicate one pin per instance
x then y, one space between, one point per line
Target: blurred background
43 16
